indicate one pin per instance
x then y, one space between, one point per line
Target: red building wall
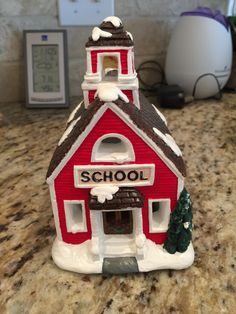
165 183
91 95
129 94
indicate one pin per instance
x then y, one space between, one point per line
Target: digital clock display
45 68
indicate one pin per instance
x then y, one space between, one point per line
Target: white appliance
199 56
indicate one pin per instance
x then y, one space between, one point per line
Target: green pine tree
179 232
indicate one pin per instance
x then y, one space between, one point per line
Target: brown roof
145 118
119 37
125 197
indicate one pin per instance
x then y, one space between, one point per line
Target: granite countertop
29 280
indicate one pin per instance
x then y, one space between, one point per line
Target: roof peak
114 20
110 33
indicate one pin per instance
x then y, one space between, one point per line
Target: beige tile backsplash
150 21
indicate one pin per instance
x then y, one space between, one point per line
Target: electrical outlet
84 12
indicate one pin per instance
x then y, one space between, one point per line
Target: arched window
113 148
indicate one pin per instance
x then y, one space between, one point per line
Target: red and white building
116 173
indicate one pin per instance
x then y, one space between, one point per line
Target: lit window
75 216
159 215
114 148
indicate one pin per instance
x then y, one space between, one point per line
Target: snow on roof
104 192
97 33
160 114
110 92
73 113
115 21
110 33
130 35
68 131
168 139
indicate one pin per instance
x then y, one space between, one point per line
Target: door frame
97 229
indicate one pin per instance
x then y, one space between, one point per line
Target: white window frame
124 139
100 57
156 228
70 225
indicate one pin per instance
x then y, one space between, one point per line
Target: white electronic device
46 68
199 56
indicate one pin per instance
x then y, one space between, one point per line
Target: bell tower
110 58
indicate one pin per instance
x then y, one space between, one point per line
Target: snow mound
173 145
186 225
110 92
68 131
168 139
158 258
160 114
115 21
130 35
140 240
97 33
72 115
79 257
104 192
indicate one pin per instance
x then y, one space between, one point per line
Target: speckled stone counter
29 280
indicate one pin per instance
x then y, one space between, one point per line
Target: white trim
97 234
163 227
125 140
92 77
55 210
149 182
100 58
97 76
132 85
140 237
136 98
92 48
180 187
145 137
95 223
73 226
130 70
125 118
127 77
89 62
86 98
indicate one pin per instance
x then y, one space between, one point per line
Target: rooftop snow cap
108 92
110 33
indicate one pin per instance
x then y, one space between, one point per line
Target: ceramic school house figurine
116 178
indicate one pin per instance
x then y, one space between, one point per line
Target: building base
78 258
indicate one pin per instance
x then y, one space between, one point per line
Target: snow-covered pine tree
179 232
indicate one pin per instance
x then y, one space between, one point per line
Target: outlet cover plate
84 12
